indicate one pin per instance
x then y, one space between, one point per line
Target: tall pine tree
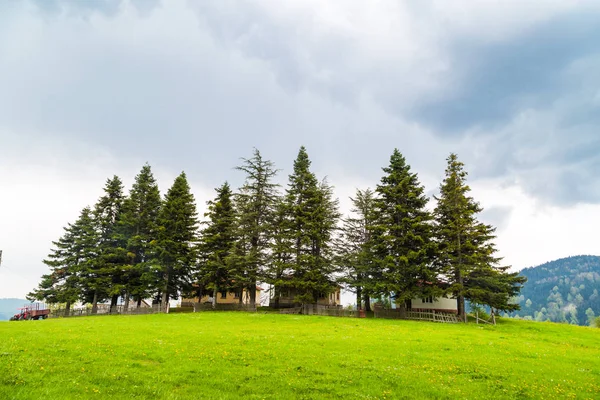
312 218
217 244
68 261
354 256
279 264
401 236
466 250
256 203
176 240
138 226
112 255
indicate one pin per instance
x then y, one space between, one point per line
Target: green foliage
72 264
255 203
401 242
108 267
591 316
138 226
466 253
310 217
560 286
139 246
353 255
256 356
281 249
217 243
175 244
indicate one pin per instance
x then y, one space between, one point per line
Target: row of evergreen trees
141 246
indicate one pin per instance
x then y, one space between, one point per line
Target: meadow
270 356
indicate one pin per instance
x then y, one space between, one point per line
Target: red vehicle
31 311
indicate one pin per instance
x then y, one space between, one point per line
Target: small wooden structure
419 315
491 320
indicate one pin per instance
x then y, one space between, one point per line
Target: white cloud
534 232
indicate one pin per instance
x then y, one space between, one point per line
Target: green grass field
270 356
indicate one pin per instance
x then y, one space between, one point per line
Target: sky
90 89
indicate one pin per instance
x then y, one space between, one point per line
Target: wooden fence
198 307
117 310
292 310
421 315
318 309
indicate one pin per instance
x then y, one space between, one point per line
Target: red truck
31 311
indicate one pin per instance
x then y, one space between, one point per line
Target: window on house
224 294
236 295
427 299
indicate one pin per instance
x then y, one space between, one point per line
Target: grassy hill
270 356
565 290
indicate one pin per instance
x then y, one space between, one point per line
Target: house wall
333 299
440 304
229 298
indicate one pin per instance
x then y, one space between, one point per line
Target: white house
445 304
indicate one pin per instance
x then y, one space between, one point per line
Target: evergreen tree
401 236
278 267
112 254
353 253
573 314
591 317
256 202
176 240
138 226
312 218
466 250
67 261
218 243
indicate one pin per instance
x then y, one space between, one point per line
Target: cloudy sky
93 88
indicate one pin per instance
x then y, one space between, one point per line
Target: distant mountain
8 307
564 290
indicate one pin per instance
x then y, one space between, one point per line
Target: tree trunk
461 298
253 294
276 295
367 303
214 299
95 303
461 308
139 302
358 298
126 305
402 309
67 308
165 295
241 295
113 303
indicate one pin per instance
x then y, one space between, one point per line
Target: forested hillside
564 290
8 307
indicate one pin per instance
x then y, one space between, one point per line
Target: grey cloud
498 217
331 61
201 92
498 80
